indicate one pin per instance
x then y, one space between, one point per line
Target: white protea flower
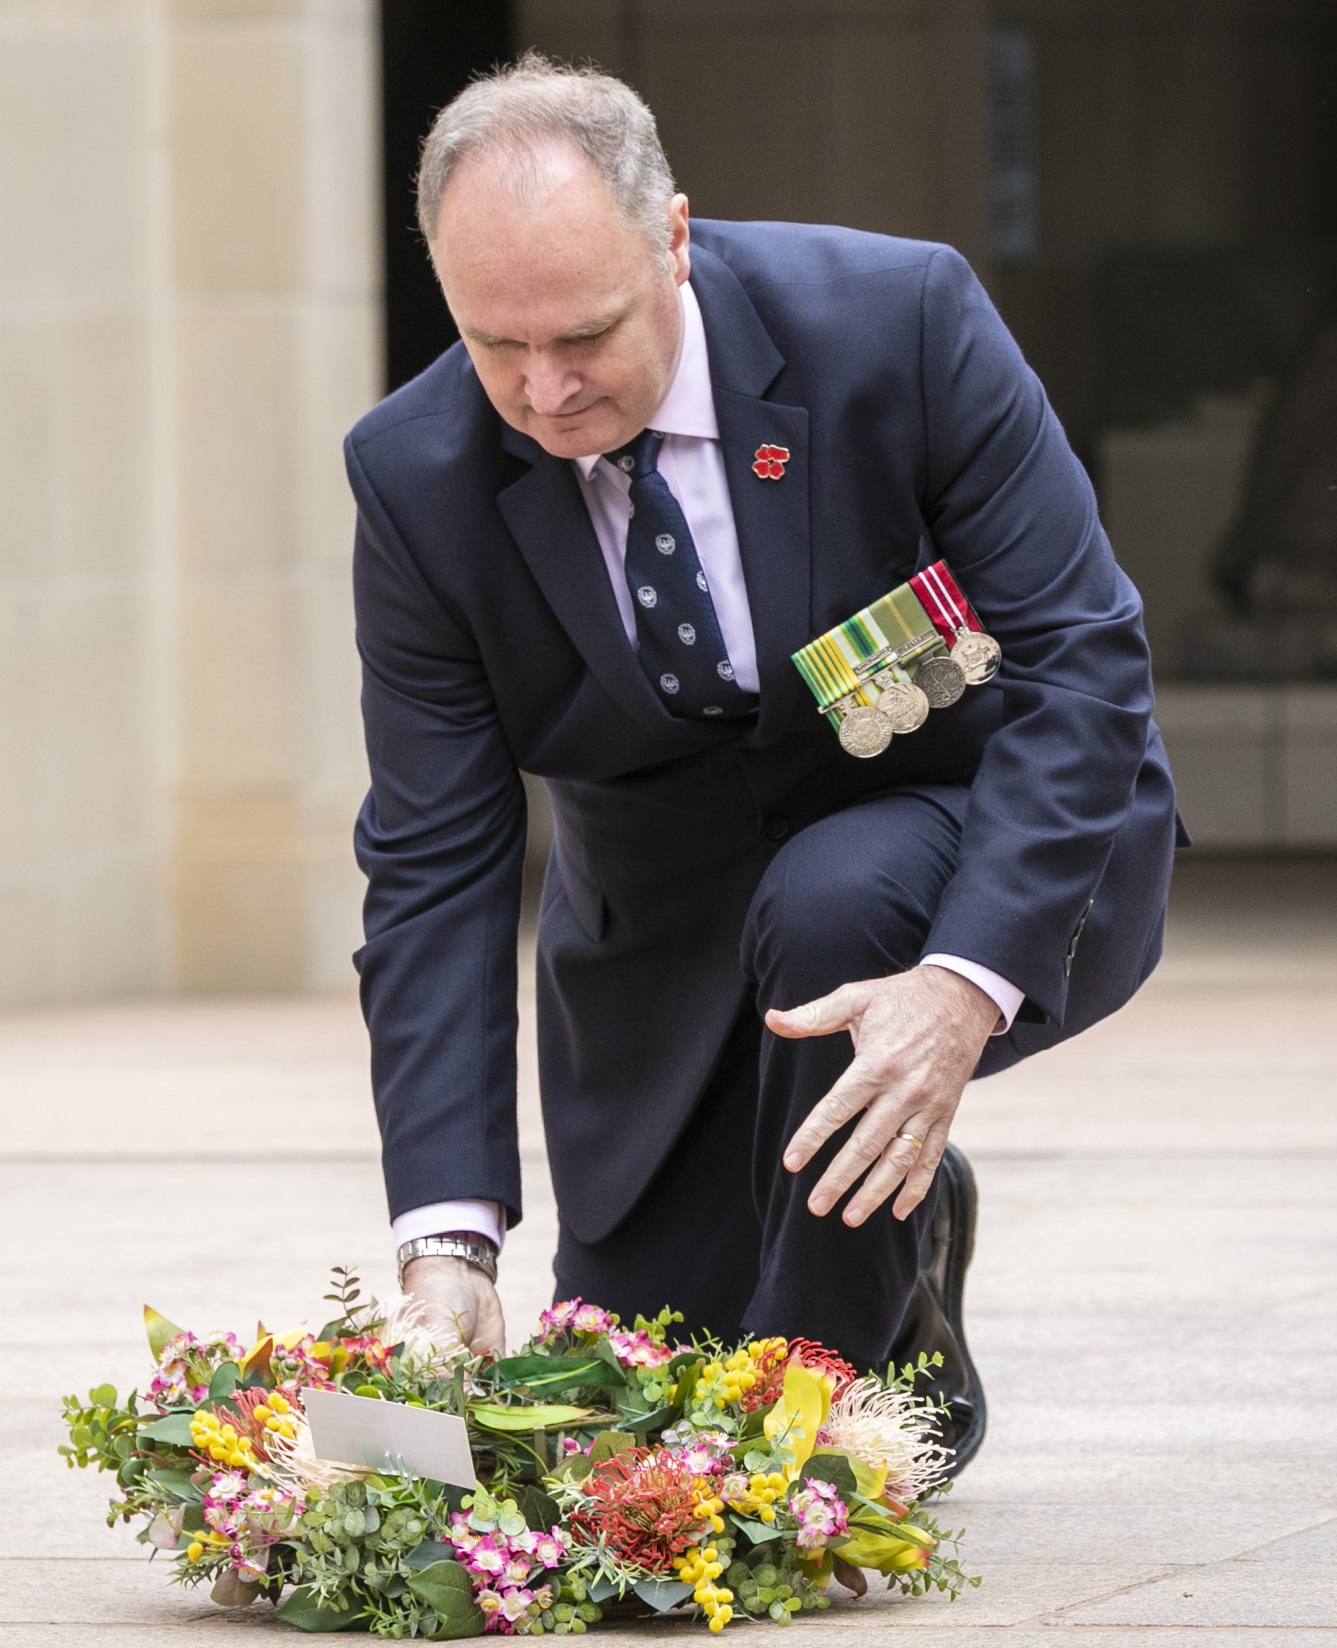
295 1465
889 1427
431 1352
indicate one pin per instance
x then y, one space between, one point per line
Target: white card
389 1436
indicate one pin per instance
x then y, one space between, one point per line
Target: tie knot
639 457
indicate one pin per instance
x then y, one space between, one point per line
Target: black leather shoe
933 1321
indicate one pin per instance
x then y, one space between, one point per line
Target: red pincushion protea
771 1366
645 1507
821 1360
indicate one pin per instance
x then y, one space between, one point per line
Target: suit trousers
723 1232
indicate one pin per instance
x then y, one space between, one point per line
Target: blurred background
209 270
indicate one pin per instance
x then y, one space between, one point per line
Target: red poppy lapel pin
769 463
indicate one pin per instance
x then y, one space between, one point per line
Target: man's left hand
917 1039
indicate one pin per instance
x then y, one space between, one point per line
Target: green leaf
541 1509
662 1593
446 1588
227 1376
174 1429
104 1396
603 1588
833 1468
299 1608
492 1416
430 1551
686 1378
757 1532
160 1331
546 1375
609 1443
575 1468
176 1483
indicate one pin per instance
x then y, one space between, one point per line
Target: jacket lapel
548 519
549 522
771 515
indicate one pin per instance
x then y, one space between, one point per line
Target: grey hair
534 105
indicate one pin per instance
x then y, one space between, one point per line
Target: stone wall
188 321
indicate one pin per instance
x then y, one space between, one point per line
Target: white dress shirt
692 462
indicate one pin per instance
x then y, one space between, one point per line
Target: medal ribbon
946 605
837 665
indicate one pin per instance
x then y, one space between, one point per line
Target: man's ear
680 240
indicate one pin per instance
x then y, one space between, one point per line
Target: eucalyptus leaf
833 1468
609 1443
603 1588
227 1376
423 1556
445 1587
232 1591
174 1429
662 1593
575 1468
541 1510
176 1483
757 1532
299 1608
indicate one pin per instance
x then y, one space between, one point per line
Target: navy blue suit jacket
492 644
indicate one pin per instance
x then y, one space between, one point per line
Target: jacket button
775 828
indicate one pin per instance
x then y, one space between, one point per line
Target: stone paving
1153 1303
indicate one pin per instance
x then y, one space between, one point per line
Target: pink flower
546 1549
487 1557
516 1604
593 1319
638 1350
820 1513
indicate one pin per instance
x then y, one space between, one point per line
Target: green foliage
174 1429
345 1291
102 1431
833 1468
304 1609
446 1588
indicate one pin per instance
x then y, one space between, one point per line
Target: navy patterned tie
678 635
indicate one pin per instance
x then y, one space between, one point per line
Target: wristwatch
452 1244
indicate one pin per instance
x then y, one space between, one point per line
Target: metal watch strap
475 1250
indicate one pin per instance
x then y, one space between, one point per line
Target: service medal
978 654
903 705
864 732
941 679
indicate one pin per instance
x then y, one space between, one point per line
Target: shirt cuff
1004 995
483 1218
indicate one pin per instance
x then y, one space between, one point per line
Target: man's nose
550 385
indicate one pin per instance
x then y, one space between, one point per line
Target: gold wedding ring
910 1139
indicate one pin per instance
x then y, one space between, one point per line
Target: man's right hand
460 1305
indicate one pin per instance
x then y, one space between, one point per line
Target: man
733 904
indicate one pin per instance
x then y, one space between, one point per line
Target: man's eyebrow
577 334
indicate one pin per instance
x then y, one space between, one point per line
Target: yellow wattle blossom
708 1505
758 1497
274 1414
221 1442
700 1568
